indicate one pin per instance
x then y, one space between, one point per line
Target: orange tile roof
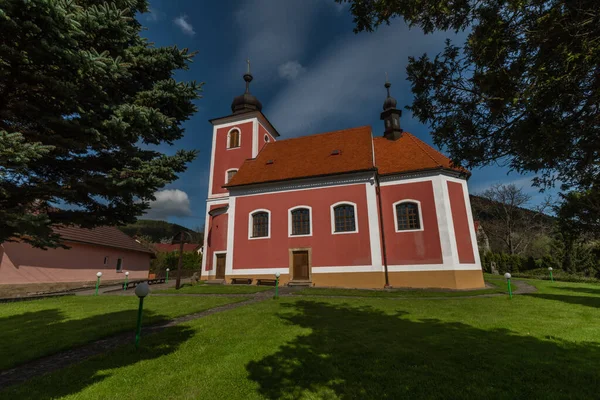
409 154
102 236
309 156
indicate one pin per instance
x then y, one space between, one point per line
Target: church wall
216 239
225 158
411 247
327 249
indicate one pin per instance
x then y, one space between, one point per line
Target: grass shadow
364 353
588 301
31 335
79 376
579 289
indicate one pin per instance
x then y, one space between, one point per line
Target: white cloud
273 32
169 203
349 76
184 25
290 70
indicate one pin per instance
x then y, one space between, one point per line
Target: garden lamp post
180 238
551 277
99 274
142 290
126 280
507 276
277 274
167 280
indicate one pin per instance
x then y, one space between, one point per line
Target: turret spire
246 102
391 115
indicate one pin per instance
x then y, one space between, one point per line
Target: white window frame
227 174
267 138
250 220
333 206
235 128
310 219
418 203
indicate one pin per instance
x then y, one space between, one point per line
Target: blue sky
311 73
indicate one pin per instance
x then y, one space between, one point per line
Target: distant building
187 247
335 209
102 249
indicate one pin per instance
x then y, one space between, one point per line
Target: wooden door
301 265
221 266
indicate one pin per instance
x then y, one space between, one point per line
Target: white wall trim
408 180
386 179
254 138
293 185
442 220
419 210
450 221
374 231
227 174
270 222
359 268
212 162
331 210
207 224
230 235
233 123
240 138
310 221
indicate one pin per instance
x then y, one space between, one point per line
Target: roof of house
309 156
167 247
409 154
338 152
103 236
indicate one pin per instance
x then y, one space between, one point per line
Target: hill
158 230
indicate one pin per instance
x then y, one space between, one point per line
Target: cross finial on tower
248 61
387 84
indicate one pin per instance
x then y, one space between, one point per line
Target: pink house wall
217 236
462 229
419 247
327 249
225 158
22 263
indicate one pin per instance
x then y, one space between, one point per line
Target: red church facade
342 209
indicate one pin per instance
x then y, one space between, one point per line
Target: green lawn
498 286
217 289
544 345
32 329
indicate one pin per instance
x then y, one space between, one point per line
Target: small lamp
167 280
508 276
126 280
551 277
99 274
142 290
277 275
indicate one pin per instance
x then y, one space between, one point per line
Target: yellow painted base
462 279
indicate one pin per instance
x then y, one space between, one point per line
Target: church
354 208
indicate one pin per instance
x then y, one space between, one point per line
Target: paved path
64 359
118 289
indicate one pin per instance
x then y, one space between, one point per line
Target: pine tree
84 100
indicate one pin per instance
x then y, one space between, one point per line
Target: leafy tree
502 214
83 100
523 88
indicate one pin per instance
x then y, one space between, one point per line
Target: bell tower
391 115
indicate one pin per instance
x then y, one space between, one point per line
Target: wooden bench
131 284
265 282
241 281
156 281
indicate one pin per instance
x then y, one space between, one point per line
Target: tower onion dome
246 102
390 102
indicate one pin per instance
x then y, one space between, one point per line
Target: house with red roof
350 208
103 249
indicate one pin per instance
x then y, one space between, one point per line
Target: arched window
229 174
344 216
408 216
300 221
266 138
233 139
260 224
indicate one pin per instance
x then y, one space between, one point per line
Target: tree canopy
85 101
523 89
